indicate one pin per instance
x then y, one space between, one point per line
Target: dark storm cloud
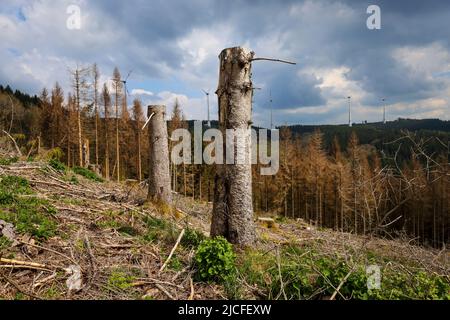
320 35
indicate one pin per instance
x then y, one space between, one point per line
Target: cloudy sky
172 46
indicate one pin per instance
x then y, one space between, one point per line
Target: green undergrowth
88 174
304 273
120 280
29 214
8 161
215 260
56 164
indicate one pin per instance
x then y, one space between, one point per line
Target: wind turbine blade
128 75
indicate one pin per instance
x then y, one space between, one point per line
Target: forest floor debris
101 240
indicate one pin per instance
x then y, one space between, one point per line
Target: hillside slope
103 241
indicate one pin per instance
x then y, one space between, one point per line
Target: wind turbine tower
207 103
271 110
349 112
384 110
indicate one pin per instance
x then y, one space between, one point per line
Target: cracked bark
232 207
159 175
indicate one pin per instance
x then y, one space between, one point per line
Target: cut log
232 207
159 175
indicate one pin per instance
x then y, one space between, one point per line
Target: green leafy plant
31 216
4 243
333 272
159 229
88 174
215 259
175 263
120 280
14 185
57 165
192 238
55 153
8 161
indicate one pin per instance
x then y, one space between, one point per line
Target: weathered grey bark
232 208
159 174
86 153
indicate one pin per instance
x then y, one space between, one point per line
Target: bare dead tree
79 85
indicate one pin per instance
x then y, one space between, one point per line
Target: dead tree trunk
86 153
233 208
159 174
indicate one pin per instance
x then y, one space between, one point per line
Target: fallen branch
22 263
18 288
18 264
281 277
43 281
191 296
49 250
160 287
144 281
341 284
173 250
14 141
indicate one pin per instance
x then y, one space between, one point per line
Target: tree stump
232 207
159 176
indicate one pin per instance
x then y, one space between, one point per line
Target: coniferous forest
356 180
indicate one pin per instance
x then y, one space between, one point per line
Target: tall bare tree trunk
77 92
96 78
233 208
39 144
139 163
86 153
184 179
117 165
159 174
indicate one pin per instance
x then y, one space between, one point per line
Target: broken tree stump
232 207
159 175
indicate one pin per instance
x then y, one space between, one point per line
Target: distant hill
382 135
378 134
24 98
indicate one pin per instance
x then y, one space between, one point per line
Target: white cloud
141 92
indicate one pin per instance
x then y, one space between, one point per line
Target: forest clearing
120 245
224 159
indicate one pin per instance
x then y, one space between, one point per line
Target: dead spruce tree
232 208
159 174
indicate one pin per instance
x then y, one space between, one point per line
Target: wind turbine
124 81
271 109
349 112
207 103
125 86
384 110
